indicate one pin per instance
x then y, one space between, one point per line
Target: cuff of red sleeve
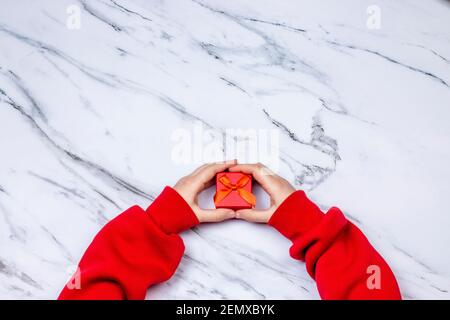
296 215
171 212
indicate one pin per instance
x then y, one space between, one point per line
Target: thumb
214 215
255 215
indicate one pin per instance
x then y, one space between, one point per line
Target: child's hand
203 177
277 187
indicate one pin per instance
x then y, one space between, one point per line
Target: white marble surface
87 115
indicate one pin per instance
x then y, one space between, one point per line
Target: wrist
171 212
296 215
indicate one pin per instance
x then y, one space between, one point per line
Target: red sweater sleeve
133 251
337 254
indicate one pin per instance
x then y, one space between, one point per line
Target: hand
277 187
202 178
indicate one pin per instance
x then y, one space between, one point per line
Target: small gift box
234 191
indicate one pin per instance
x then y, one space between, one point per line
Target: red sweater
141 248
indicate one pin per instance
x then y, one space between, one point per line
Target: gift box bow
238 187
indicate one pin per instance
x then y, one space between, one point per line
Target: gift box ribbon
238 187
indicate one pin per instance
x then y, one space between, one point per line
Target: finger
200 168
205 165
214 215
254 215
207 173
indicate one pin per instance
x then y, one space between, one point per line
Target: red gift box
234 191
